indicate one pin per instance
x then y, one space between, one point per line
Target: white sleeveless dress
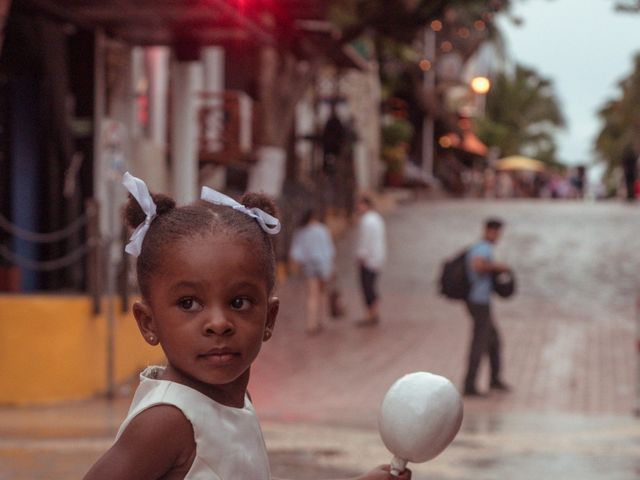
229 442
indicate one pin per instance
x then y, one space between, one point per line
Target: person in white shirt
371 253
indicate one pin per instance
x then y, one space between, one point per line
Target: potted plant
396 136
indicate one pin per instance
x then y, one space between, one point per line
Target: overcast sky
585 47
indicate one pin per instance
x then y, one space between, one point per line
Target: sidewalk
569 352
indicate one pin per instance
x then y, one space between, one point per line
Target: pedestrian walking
485 339
371 253
312 248
630 169
334 138
206 273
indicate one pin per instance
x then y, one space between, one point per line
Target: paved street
569 351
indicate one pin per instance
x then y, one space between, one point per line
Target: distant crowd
490 183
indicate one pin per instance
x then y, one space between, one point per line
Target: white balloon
419 416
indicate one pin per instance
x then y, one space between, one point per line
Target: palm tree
632 6
621 121
521 116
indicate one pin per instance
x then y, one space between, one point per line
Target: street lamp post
480 86
429 83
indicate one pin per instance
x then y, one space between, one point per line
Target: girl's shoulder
161 418
163 434
157 443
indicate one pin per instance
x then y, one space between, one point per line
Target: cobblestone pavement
569 352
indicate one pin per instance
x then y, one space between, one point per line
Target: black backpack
454 282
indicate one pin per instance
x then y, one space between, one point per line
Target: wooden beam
261 34
166 36
53 9
148 22
4 13
143 12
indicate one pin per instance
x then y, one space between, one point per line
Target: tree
621 120
462 27
288 66
521 115
283 80
628 6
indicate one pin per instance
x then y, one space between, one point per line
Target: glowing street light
480 85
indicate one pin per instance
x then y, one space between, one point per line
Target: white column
157 59
267 175
187 82
99 111
305 125
213 59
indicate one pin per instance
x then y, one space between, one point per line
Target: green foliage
397 132
621 119
631 6
522 115
396 29
400 20
395 158
396 136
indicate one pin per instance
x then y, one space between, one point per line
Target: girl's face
210 309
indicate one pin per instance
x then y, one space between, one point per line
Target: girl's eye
240 303
188 304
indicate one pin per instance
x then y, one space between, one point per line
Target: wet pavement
569 352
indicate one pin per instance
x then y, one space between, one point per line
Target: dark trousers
368 281
485 340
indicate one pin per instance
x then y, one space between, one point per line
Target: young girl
312 248
206 273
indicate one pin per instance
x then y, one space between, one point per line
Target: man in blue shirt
485 339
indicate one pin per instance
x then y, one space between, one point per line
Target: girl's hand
383 473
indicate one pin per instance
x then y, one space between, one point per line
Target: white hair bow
140 192
268 223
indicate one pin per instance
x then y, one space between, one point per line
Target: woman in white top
312 248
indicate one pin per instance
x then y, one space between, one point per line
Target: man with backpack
481 269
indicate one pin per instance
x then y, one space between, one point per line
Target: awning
469 143
189 23
520 163
163 22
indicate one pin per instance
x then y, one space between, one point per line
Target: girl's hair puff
133 214
177 223
261 201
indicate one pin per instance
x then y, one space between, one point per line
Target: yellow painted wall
53 349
